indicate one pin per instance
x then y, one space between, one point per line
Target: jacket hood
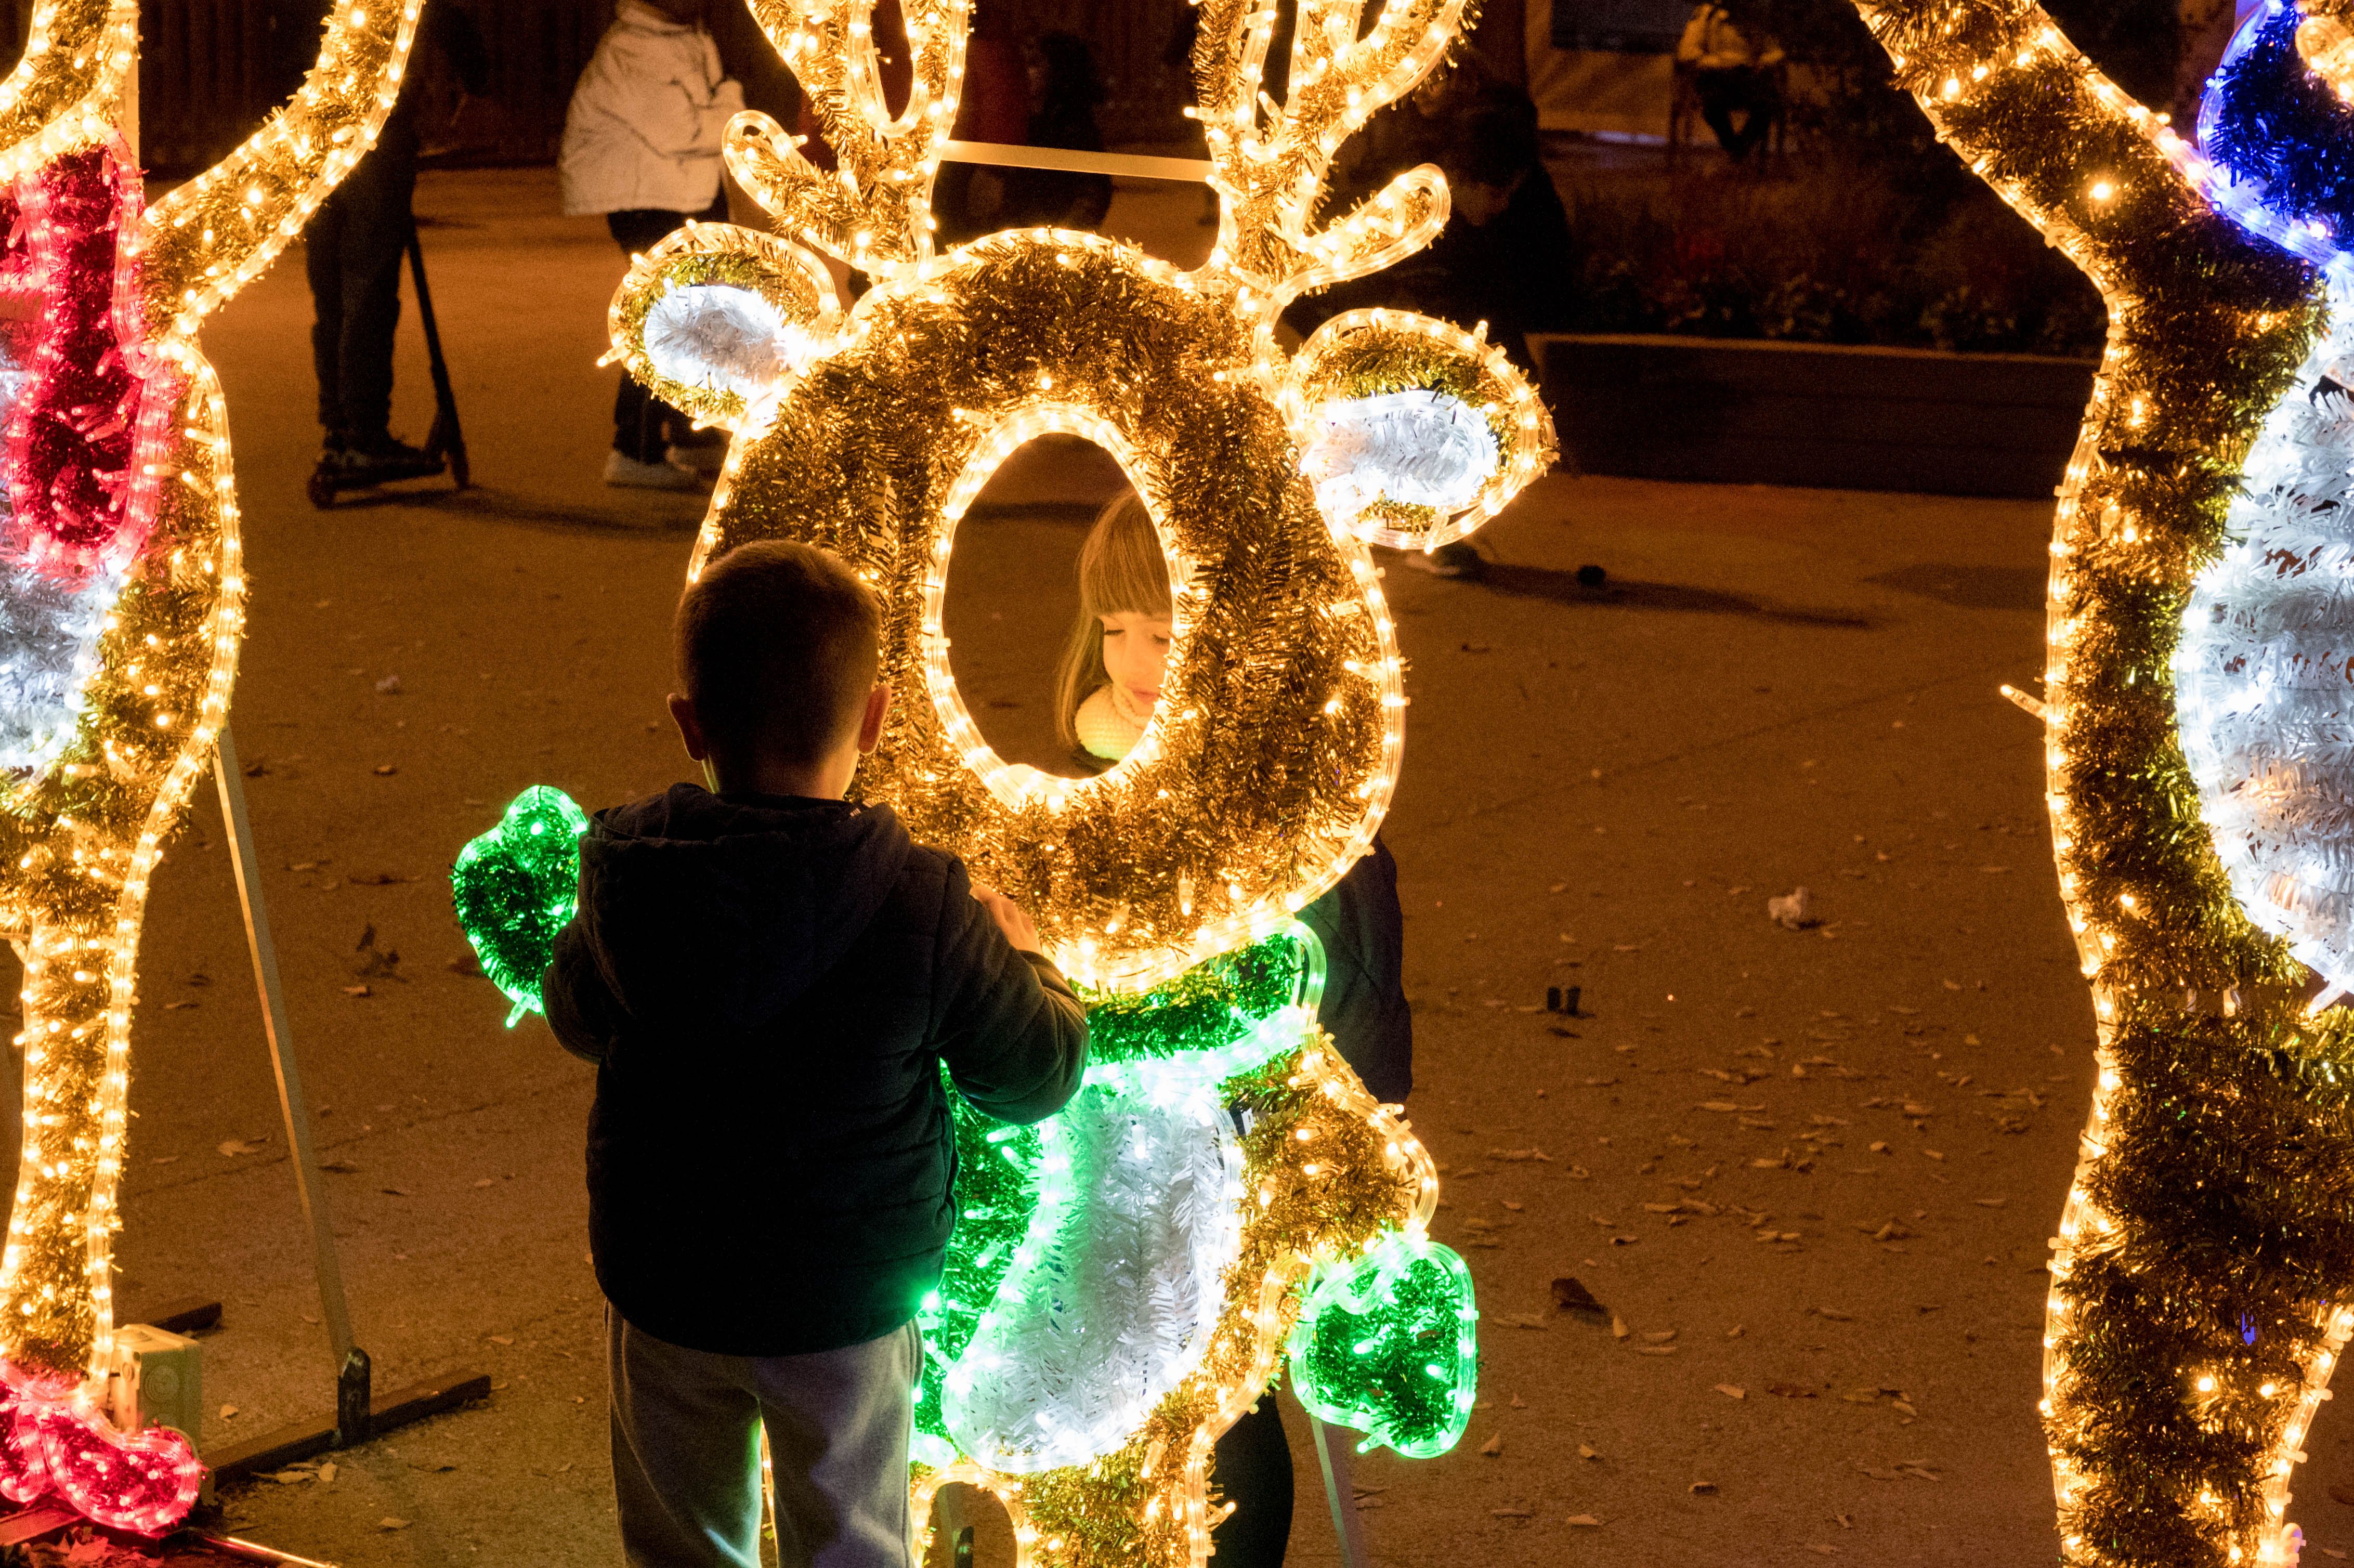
707 912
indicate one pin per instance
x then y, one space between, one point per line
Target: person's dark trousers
1253 1469
644 426
353 251
1734 90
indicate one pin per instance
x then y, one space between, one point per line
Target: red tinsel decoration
54 1446
76 453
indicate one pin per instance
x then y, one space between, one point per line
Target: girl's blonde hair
1121 569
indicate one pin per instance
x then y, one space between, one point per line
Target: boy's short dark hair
778 645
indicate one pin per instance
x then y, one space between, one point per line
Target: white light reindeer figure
122 602
1125 1276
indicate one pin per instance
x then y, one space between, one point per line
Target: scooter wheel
320 489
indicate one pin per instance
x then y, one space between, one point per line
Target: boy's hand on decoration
1010 918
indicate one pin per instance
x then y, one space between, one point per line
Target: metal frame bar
1332 1455
1135 165
351 1362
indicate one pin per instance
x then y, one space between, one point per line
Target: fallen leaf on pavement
1494 1446
388 1522
1570 1295
1586 1451
1730 1392
1703 1488
1584 1521
233 1147
1790 1391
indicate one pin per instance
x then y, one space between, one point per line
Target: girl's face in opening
1136 653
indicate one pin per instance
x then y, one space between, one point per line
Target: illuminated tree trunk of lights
2191 1327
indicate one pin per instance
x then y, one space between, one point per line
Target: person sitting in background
642 149
1730 76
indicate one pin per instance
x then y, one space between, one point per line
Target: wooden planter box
1747 412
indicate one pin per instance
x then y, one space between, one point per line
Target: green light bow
516 887
1385 1346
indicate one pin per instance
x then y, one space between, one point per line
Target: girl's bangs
1121 568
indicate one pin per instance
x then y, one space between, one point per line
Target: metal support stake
352 1396
1332 1457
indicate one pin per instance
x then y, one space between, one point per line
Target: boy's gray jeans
686 1468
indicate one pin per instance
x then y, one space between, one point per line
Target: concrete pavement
1810 1173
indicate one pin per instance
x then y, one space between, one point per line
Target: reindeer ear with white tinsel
1413 431
716 317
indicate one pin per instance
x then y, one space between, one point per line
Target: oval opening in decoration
1003 600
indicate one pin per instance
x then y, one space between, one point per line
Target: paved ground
1602 788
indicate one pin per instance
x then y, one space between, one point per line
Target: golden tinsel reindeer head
869 427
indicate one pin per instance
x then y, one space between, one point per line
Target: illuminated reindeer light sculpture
121 600
2200 725
1123 1277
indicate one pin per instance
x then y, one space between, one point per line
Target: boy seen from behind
770 980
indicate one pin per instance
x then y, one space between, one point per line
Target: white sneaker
1458 559
704 461
624 471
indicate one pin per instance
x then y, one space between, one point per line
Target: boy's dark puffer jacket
768 988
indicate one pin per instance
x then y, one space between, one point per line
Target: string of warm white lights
2190 1331
66 89
108 732
1269 762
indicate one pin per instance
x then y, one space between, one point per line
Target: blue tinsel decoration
2271 119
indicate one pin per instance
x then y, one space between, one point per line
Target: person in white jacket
642 148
